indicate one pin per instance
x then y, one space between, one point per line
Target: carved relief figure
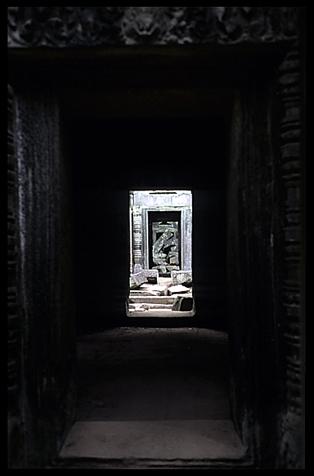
142 24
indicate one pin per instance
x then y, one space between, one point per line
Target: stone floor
153 394
153 440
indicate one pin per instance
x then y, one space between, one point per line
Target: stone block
137 268
152 275
171 268
136 279
174 259
154 290
181 277
132 283
178 289
183 303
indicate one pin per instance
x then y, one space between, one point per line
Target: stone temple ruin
160 254
207 99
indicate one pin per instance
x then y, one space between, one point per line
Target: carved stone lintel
89 26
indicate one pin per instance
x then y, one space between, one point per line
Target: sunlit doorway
160 227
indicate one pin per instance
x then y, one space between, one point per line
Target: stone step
152 299
149 306
149 290
160 313
157 299
177 289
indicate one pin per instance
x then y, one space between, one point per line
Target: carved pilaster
137 235
290 152
291 173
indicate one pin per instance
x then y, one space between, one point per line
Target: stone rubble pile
150 292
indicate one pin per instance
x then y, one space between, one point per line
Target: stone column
187 245
131 201
137 235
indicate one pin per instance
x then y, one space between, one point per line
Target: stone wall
292 171
264 283
46 278
16 429
249 261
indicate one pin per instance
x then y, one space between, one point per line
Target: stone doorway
164 239
161 280
239 49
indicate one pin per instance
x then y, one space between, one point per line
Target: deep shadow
153 374
186 153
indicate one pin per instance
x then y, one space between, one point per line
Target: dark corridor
186 359
104 100
111 157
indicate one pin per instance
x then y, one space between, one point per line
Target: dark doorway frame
274 54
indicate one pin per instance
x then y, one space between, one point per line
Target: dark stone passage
150 393
144 373
186 153
104 100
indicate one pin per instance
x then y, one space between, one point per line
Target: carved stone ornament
88 26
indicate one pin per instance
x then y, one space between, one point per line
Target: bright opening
161 281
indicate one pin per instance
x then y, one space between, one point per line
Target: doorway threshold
177 442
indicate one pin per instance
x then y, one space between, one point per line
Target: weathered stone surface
141 292
139 307
137 268
171 268
149 290
173 258
183 303
136 279
181 277
149 306
161 268
160 306
150 274
92 26
177 289
152 299
132 283
165 248
155 289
